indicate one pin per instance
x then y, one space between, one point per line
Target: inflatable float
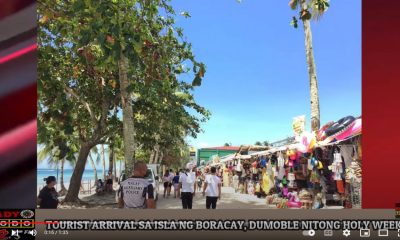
294 201
342 129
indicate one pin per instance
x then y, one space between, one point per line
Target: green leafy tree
74 84
97 59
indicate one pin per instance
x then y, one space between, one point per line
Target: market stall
319 170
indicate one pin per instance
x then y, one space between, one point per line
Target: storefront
319 170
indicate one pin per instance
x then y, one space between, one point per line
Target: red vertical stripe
381 103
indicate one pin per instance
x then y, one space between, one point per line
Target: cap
190 166
50 179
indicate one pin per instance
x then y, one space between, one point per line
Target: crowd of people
137 192
186 182
106 185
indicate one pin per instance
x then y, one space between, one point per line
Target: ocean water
88 174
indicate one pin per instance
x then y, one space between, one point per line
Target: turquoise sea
88 174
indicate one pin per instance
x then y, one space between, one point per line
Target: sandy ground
229 200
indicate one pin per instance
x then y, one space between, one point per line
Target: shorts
165 184
176 186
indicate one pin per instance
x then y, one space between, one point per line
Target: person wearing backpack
187 184
212 189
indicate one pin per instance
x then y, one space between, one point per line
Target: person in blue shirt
175 181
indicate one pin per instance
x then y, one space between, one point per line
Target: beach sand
88 195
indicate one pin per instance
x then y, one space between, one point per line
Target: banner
299 125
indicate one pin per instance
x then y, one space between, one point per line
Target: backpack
189 178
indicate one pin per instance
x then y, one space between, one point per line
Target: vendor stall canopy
332 133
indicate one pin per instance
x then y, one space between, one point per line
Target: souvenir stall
319 170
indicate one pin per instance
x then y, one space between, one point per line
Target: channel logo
17 223
3 233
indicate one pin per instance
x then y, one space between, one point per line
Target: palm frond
319 7
44 153
295 4
95 150
98 159
48 153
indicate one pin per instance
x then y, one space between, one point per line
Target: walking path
229 200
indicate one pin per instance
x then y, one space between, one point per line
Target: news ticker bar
219 225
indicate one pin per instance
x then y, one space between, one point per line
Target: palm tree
103 160
94 168
310 9
49 153
111 158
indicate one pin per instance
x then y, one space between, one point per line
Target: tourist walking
187 185
199 181
175 182
166 182
171 177
212 189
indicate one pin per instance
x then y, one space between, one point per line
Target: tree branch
86 104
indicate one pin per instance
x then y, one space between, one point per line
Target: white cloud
203 145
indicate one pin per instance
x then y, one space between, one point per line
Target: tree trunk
76 178
111 158
115 168
127 115
120 167
160 157
94 169
312 73
152 155
103 160
63 190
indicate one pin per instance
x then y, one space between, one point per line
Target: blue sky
256 79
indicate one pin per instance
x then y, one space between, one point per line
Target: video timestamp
56 232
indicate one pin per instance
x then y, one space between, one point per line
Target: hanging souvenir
269 168
340 186
304 170
238 166
291 177
320 165
309 164
281 161
281 173
337 176
274 171
284 180
314 176
337 157
266 185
